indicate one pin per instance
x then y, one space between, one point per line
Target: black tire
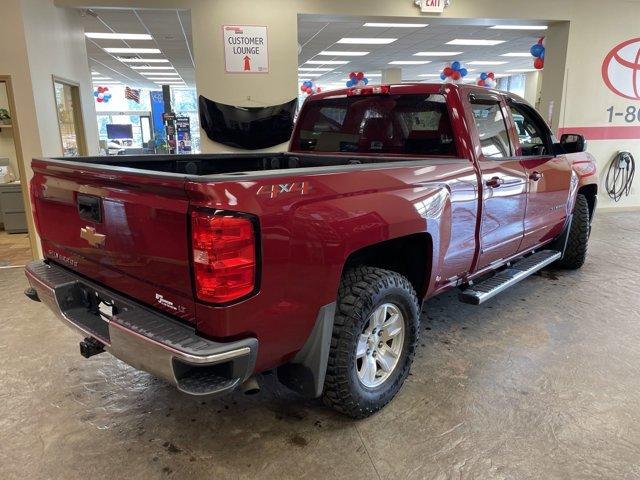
361 291
576 251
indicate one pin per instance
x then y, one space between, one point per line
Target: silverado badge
94 239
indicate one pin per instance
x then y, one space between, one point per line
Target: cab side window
531 131
492 129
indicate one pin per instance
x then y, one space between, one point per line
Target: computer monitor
119 131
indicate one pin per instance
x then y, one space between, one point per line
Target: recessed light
327 62
522 70
471 41
395 25
487 63
409 62
143 60
437 54
132 50
314 69
140 67
119 36
340 53
516 54
519 27
367 41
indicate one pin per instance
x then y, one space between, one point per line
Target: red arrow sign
247 63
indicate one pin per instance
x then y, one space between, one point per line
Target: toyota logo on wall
621 69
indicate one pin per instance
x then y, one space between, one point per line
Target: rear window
385 124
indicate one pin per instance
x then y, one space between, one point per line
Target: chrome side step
520 270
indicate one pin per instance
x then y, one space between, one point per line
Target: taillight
373 90
224 256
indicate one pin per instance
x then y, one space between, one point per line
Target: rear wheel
375 332
576 252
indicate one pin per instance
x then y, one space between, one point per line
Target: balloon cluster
102 94
538 52
487 79
357 79
453 72
309 87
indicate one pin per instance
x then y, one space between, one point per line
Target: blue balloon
542 54
365 80
443 76
107 96
456 65
483 76
537 50
463 72
308 84
95 94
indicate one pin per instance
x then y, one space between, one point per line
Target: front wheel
575 253
375 332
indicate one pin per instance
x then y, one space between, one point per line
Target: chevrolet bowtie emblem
94 239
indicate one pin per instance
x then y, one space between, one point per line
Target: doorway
17 246
70 123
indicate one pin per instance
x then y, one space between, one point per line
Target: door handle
494 182
535 176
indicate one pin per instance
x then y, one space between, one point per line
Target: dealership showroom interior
319 239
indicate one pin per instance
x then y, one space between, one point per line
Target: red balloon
448 71
318 90
491 75
360 75
353 75
100 89
538 64
99 100
481 83
105 89
456 75
303 88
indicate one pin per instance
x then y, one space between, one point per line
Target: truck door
549 176
504 181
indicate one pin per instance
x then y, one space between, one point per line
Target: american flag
132 94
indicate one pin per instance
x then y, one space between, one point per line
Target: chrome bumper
143 338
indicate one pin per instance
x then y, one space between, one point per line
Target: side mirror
573 143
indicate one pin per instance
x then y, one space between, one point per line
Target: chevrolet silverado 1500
207 270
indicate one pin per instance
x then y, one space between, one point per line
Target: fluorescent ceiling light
483 62
159 74
519 27
168 79
169 83
143 60
140 67
474 42
314 69
516 54
340 53
437 54
101 78
395 25
327 62
409 62
372 75
95 73
132 50
430 75
312 75
367 41
119 36
522 70
107 83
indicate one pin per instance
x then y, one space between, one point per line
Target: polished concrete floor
543 382
15 249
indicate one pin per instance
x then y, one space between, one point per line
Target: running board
520 270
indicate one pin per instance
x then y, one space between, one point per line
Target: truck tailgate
124 229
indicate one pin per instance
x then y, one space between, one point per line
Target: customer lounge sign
245 49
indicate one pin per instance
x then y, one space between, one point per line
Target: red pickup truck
207 270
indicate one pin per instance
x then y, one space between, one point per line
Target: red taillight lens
224 256
377 90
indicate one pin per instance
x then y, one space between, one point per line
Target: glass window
531 134
69 118
492 129
387 124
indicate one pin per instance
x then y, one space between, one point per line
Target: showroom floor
542 382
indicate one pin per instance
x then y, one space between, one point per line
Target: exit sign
433 6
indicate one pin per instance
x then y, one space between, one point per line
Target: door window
492 130
532 134
67 98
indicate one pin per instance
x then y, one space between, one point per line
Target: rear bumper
143 338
